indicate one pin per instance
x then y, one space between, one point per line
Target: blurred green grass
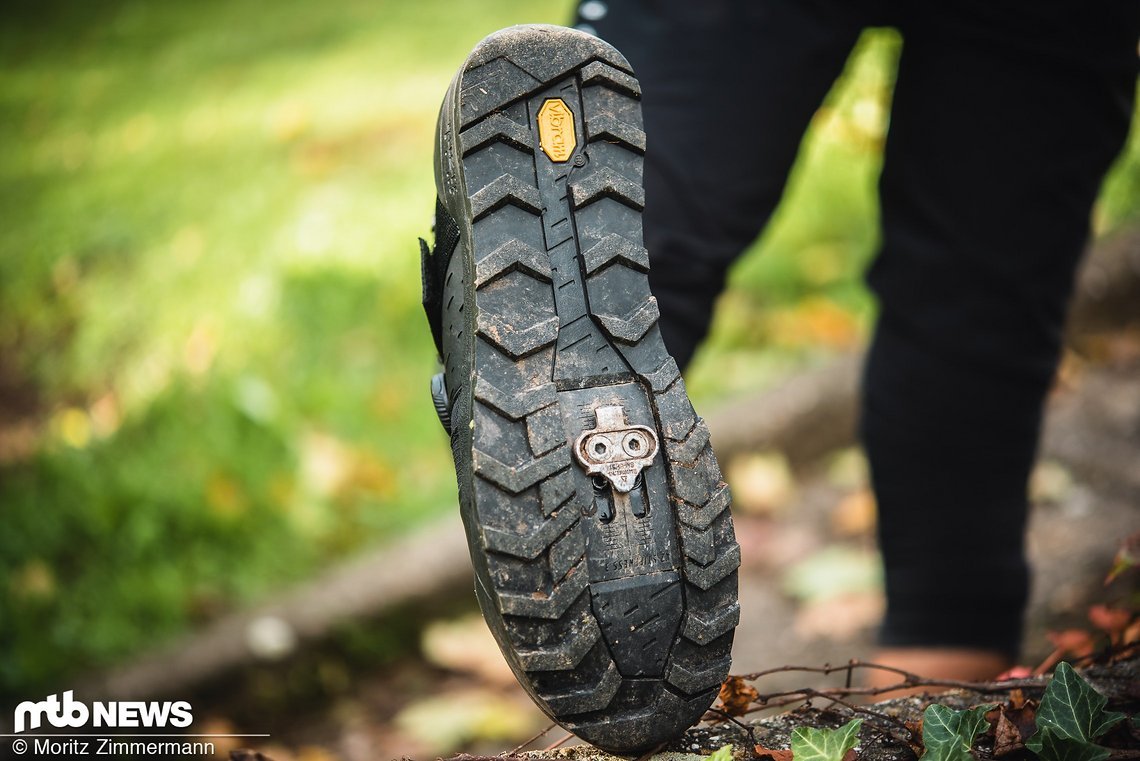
213 363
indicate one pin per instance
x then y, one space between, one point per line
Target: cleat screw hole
600 483
599 448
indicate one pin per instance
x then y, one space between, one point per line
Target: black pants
1006 117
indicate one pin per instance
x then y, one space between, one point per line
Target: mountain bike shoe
597 519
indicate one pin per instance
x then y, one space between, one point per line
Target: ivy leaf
949 734
724 753
811 744
1071 709
1051 746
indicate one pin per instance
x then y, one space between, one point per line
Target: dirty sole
597 518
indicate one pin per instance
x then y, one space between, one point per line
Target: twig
910 735
558 743
517 748
909 680
725 716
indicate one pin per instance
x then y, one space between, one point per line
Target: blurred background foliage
213 362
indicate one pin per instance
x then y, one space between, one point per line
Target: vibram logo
556 130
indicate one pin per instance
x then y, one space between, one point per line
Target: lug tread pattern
610 128
606 183
615 248
517 405
567 654
496 127
632 326
506 189
701 516
590 698
685 452
517 479
509 257
693 681
556 491
663 377
532 544
702 630
551 606
517 341
705 576
615 79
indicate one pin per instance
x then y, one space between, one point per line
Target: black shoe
598 523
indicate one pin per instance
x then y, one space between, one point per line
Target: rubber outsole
613 594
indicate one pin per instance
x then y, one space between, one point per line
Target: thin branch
517 748
725 716
908 680
557 743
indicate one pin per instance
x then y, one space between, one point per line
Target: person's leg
728 90
1005 119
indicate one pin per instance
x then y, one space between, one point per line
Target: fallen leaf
1016 723
736 696
1007 739
775 754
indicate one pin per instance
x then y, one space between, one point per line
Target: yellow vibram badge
556 130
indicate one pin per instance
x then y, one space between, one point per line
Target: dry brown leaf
736 696
776 754
1006 737
1016 722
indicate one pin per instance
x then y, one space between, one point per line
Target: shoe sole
615 609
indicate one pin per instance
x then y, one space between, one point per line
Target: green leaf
1053 747
811 744
1072 709
949 734
724 753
